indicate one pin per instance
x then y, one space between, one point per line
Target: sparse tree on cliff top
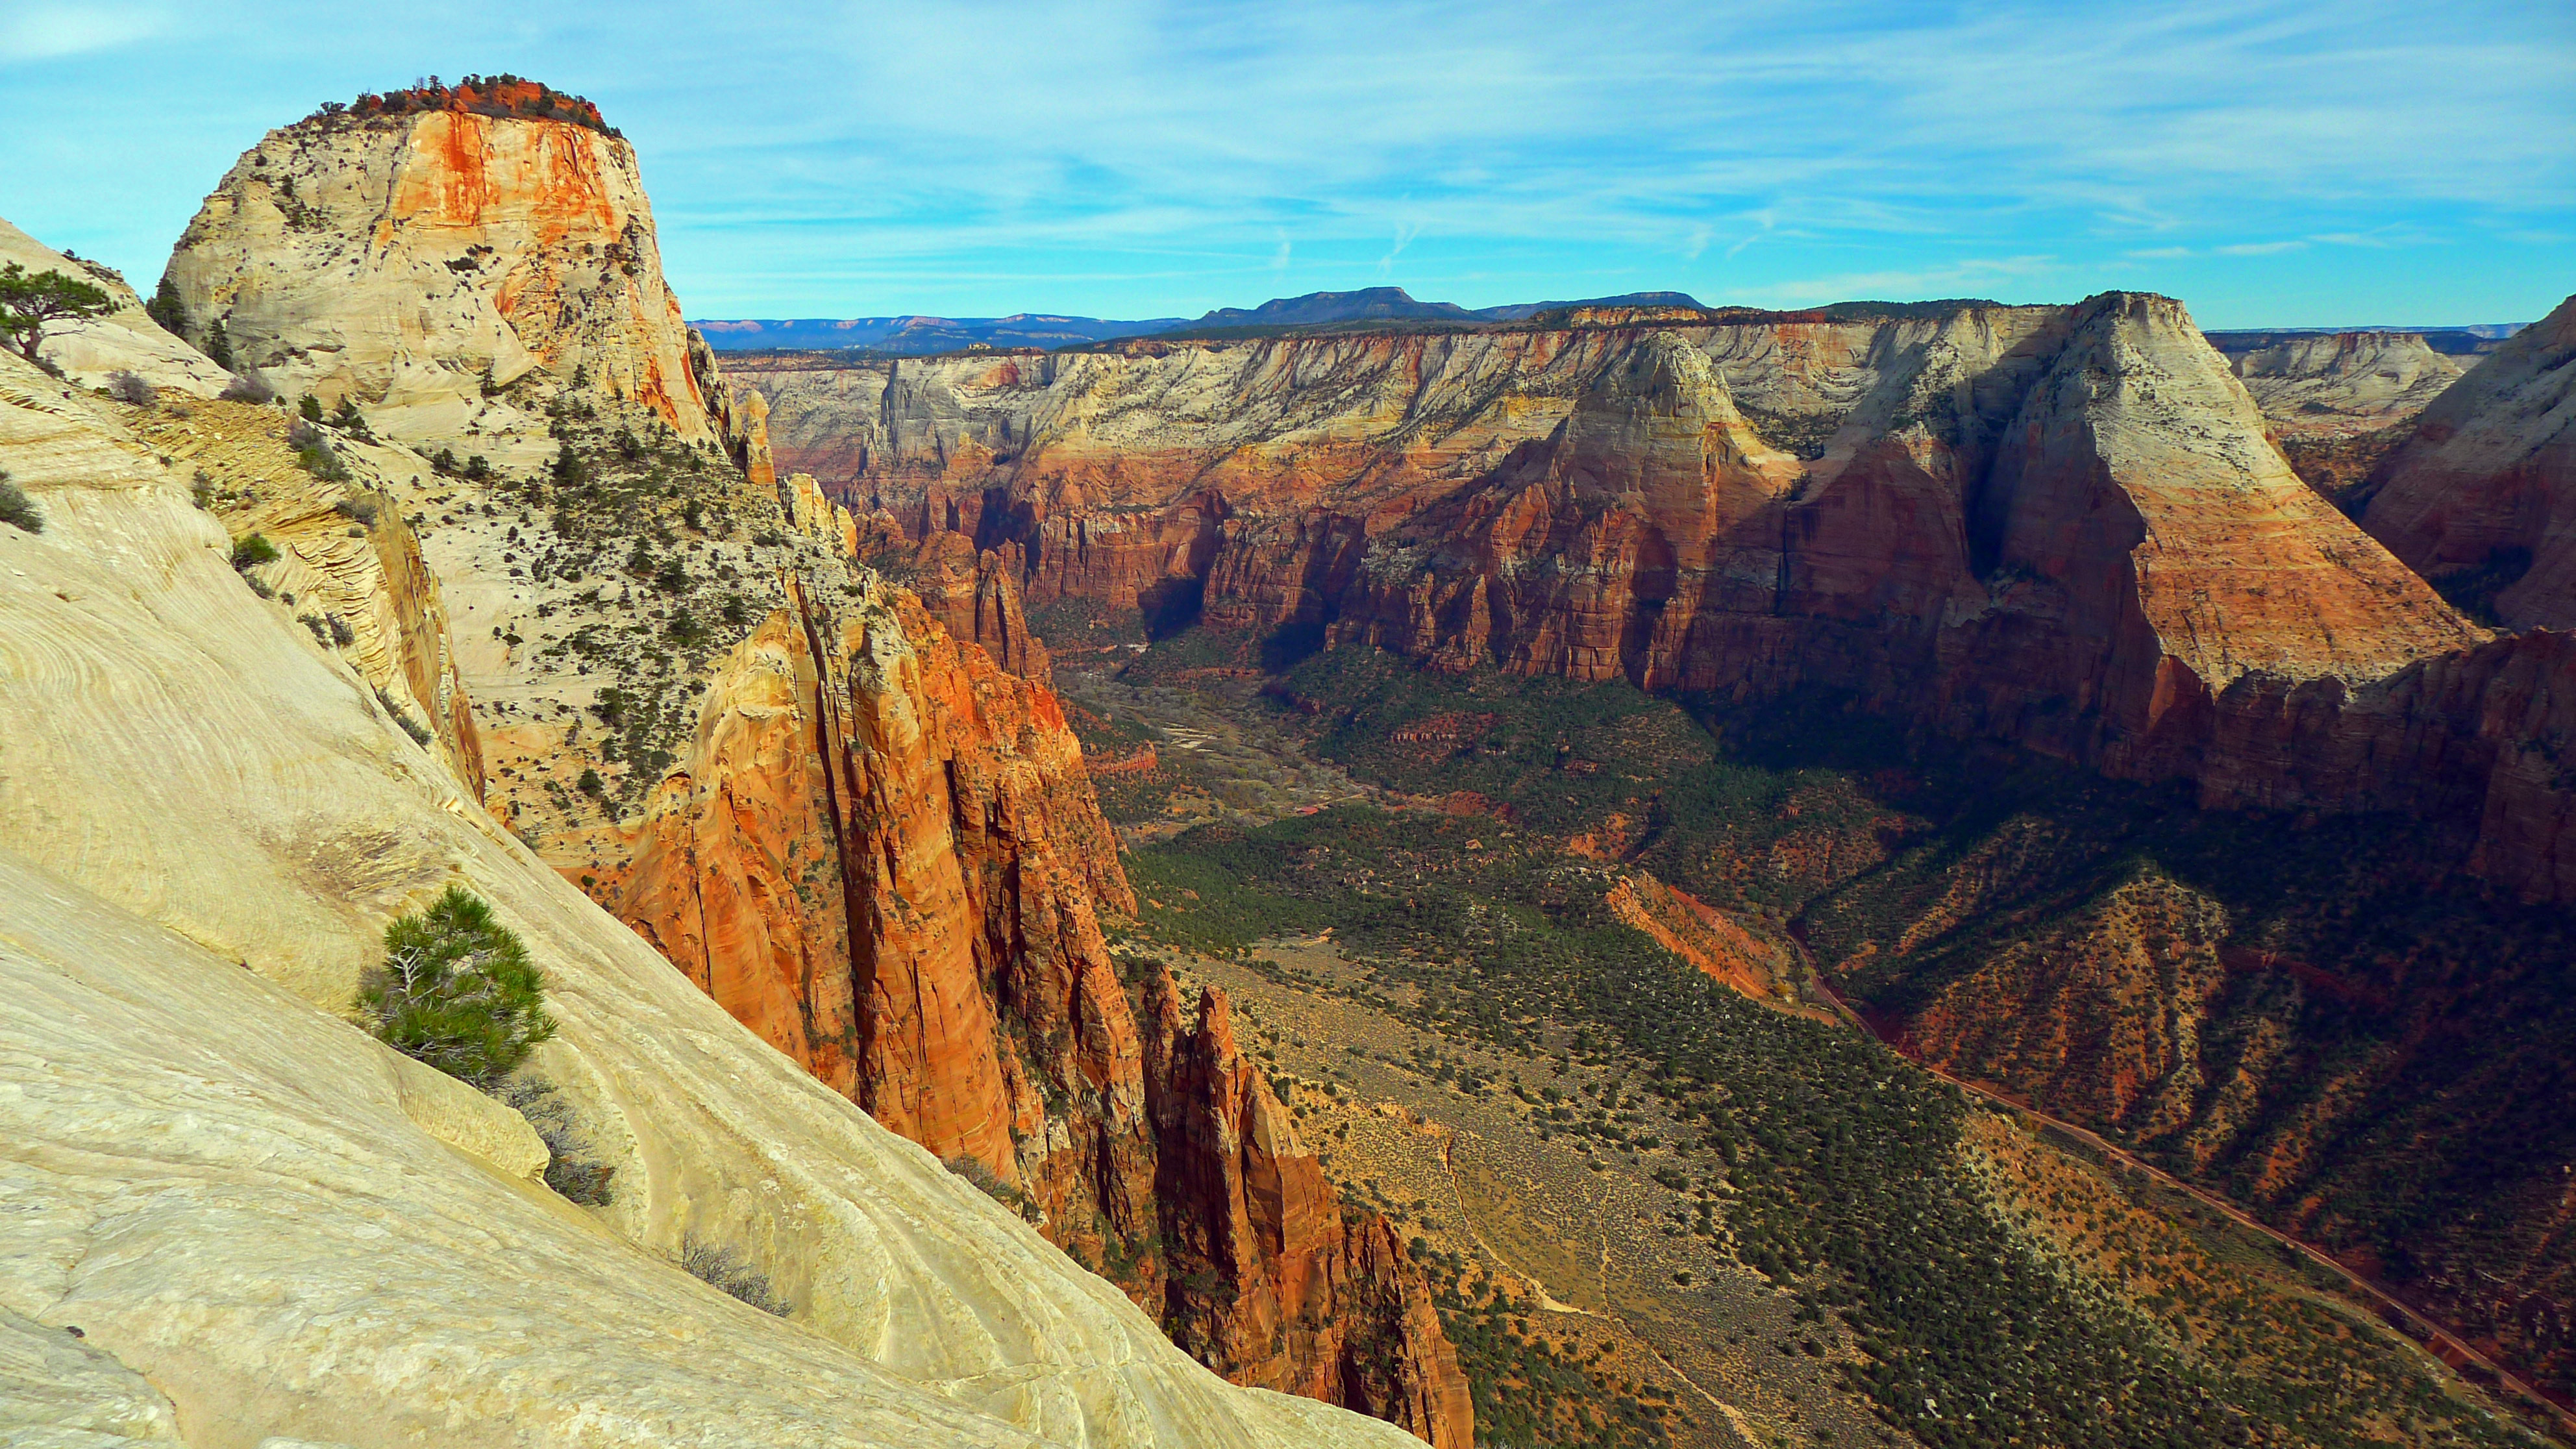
30 301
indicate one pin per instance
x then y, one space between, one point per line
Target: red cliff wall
2062 526
883 855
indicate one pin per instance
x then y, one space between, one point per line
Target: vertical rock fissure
828 756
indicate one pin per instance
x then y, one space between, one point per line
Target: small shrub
309 408
246 389
478 469
420 733
253 550
127 386
18 510
568 470
321 631
356 510
341 633
348 419
313 451
591 785
570 1169
724 1269
456 990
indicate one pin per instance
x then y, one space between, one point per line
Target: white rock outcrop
125 340
424 264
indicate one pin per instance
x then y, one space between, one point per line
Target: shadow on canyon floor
1508 1065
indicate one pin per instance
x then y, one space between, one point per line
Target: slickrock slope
288 1231
2062 526
125 340
2488 481
452 271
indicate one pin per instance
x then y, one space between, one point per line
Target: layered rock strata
1309 1302
877 848
452 271
2062 526
882 854
334 1216
2488 479
2330 384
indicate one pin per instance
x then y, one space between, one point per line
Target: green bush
18 510
253 550
456 990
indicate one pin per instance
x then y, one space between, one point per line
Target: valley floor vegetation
1908 864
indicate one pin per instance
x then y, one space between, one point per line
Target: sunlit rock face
265 1223
2065 526
2488 481
452 271
883 855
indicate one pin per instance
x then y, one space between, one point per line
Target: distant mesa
919 336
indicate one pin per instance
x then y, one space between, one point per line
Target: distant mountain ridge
2473 340
917 336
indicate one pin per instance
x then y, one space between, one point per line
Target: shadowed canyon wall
2487 480
2064 526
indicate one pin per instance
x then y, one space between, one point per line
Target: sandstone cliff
2062 526
1304 1301
2335 383
452 271
867 842
882 854
270 1219
2488 480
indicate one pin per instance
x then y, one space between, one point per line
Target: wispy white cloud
1139 156
37 31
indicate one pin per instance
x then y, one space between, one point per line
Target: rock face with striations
882 855
265 1222
878 849
1304 1301
90 350
452 270
2488 481
2064 526
2331 383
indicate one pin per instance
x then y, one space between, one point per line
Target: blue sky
2355 162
